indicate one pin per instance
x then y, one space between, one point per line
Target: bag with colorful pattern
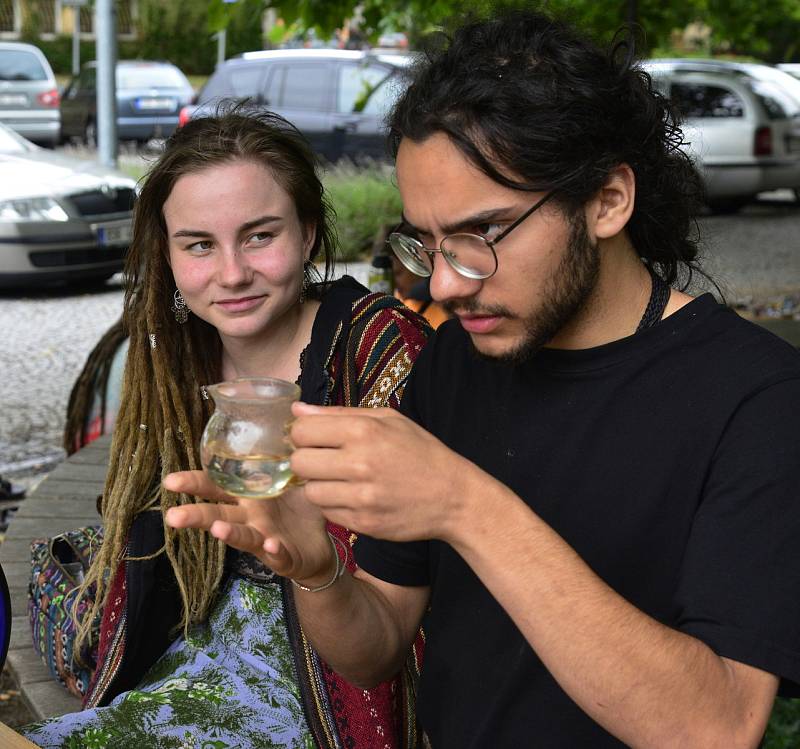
58 565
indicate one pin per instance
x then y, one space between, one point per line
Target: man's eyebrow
482 217
260 221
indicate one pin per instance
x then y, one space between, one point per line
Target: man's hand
286 533
377 472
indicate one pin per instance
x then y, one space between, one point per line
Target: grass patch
783 731
366 201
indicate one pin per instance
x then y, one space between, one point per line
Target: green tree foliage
769 30
181 31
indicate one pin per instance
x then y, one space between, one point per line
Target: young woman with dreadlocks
199 647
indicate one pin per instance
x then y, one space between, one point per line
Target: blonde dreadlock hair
162 413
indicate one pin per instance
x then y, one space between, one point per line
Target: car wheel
90 134
728 206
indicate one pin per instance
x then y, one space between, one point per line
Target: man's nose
447 283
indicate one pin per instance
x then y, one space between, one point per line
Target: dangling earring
306 285
179 308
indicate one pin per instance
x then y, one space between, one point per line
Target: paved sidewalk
66 499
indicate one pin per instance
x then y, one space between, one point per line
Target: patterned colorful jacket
361 352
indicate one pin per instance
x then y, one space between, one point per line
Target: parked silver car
743 131
61 218
28 93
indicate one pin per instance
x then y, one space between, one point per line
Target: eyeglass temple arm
538 204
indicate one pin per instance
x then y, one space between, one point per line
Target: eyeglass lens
468 254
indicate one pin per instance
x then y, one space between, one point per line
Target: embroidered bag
58 565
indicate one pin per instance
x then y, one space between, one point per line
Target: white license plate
13 100
109 235
149 104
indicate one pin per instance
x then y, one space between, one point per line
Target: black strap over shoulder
338 299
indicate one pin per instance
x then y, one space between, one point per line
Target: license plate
149 104
109 235
13 100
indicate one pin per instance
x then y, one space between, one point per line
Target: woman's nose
234 269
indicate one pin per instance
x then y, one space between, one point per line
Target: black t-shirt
669 460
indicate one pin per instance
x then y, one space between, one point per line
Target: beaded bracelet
338 572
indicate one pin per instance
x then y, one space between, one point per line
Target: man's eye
488 230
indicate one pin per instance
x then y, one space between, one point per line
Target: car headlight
32 209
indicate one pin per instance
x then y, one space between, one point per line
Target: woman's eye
202 246
261 237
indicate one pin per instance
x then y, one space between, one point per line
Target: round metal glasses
470 255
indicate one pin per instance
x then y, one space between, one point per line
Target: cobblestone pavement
46 338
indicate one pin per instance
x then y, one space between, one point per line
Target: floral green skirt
231 683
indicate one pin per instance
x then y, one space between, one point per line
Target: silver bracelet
338 572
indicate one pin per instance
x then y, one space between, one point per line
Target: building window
87 19
125 18
43 16
9 23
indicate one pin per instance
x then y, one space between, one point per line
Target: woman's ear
309 236
612 207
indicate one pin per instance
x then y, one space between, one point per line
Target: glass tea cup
245 446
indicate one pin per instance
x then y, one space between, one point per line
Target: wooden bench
66 499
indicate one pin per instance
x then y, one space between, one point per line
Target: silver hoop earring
179 308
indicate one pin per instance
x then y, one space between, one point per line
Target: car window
306 87
234 81
365 88
150 76
705 100
274 84
19 65
778 103
245 82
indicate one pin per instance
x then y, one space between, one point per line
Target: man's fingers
196 483
333 426
319 463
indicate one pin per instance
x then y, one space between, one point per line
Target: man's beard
564 296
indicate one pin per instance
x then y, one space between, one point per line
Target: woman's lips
241 304
479 323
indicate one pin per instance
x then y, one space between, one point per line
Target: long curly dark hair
538 106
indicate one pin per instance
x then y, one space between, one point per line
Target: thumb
276 557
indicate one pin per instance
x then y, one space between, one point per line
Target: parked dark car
150 96
336 98
28 93
61 218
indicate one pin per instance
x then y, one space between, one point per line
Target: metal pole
76 39
105 29
221 39
633 11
